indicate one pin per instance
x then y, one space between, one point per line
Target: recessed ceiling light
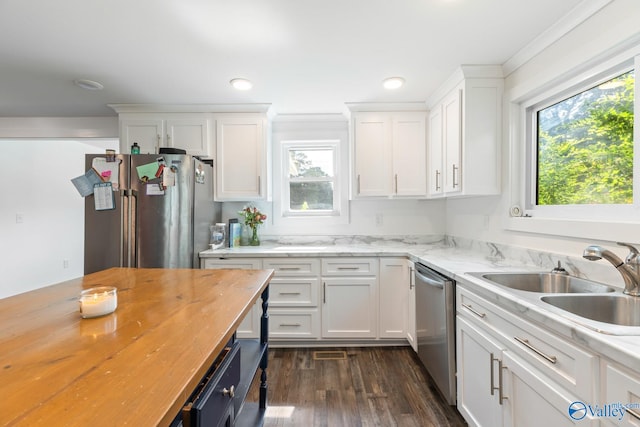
88 84
241 84
393 82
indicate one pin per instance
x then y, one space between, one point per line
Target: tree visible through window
311 179
585 146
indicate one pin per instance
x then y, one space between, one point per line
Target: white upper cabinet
389 154
189 133
242 157
465 134
236 136
152 131
435 156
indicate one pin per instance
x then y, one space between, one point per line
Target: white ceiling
303 56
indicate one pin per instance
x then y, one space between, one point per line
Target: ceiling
302 56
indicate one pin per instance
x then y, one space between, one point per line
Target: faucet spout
628 269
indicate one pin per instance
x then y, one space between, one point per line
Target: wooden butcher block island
167 356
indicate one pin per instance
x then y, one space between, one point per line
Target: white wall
35 186
367 217
487 218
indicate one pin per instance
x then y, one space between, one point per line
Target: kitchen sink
620 310
547 283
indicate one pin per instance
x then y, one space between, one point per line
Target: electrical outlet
379 220
65 263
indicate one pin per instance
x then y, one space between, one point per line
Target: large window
581 159
585 146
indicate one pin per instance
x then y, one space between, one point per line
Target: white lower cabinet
349 297
532 399
477 355
250 326
512 373
620 387
293 298
312 299
394 297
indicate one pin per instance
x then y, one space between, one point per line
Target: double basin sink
592 304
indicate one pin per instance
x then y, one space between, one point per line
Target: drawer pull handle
293 325
471 309
634 413
289 293
348 268
231 392
290 268
526 343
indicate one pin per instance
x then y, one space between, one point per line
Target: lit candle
98 301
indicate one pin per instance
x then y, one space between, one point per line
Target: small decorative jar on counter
98 301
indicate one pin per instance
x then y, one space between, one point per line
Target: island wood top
136 366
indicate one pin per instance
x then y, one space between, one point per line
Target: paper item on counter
103 196
84 183
234 234
109 171
148 171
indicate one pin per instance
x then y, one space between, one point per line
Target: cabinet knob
231 392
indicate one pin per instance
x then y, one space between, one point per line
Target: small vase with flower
253 218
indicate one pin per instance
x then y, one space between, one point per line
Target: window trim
286 147
557 93
330 127
518 217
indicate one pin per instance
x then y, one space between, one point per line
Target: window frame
286 147
565 89
307 128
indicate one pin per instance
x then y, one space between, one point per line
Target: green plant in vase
252 218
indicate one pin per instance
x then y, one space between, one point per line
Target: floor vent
329 355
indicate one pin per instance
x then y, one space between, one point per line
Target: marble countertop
456 261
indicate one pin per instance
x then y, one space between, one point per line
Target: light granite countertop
456 258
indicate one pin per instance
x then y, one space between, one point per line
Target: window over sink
580 156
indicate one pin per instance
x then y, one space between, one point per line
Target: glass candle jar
98 301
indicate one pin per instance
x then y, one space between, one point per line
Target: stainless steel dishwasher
435 328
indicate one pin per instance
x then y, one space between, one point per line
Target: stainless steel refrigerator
150 226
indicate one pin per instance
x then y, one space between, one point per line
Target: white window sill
614 231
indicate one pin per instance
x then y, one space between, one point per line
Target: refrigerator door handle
133 233
124 226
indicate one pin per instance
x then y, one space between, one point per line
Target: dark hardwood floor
369 386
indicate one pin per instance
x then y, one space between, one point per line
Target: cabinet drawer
294 324
349 266
233 263
212 402
293 267
567 364
294 292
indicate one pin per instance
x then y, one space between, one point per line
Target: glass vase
255 241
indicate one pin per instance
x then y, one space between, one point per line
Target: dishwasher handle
431 281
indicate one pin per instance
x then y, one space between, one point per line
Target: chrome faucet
629 268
